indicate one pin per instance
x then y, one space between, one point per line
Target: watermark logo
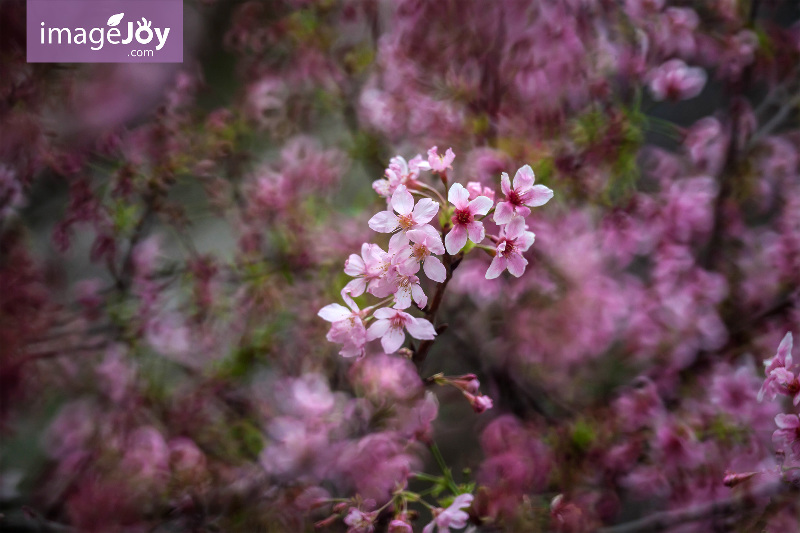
105 31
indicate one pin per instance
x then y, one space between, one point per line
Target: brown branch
421 351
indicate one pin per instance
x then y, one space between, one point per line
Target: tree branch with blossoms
415 243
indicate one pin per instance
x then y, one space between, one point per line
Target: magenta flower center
510 248
513 197
462 217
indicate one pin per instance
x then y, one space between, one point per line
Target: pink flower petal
425 210
354 266
421 329
402 298
516 265
526 241
393 340
785 349
499 264
378 329
429 236
455 239
402 201
385 313
515 228
524 178
480 205
459 196
398 242
356 287
476 231
505 183
784 421
384 222
419 295
434 269
334 313
539 195
503 213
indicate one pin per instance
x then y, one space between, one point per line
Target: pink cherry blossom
514 240
440 163
453 516
347 327
408 216
523 195
475 189
389 328
372 271
424 245
408 286
674 80
787 383
399 173
463 219
788 435
782 360
359 521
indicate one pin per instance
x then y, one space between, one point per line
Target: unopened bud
732 479
479 403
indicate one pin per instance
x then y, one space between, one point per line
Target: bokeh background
168 233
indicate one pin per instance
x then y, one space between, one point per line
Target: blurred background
169 232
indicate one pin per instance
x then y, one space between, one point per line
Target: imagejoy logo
69 31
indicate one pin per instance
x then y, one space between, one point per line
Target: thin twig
450 264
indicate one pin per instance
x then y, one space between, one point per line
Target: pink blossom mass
404 266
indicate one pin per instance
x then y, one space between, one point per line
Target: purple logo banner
105 31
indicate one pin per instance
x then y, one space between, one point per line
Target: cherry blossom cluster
782 377
416 242
163 264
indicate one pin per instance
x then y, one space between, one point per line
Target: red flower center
462 217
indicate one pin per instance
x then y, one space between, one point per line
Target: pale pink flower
408 286
782 360
788 435
453 516
514 240
674 80
406 216
389 328
787 383
399 173
371 270
440 163
475 189
424 245
464 223
347 327
675 32
523 195
359 521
